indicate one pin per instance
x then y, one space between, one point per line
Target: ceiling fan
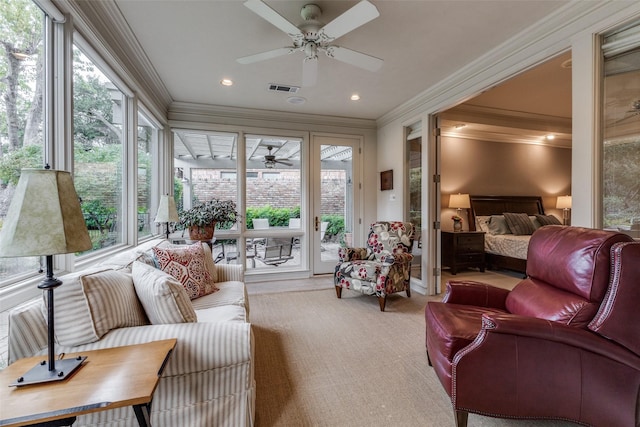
270 160
634 111
312 36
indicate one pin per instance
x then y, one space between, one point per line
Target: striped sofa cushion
73 324
113 302
163 297
91 302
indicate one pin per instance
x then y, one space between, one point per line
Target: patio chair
275 251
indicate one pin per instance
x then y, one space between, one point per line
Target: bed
504 251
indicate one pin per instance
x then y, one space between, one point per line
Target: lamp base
41 373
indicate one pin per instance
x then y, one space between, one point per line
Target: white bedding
507 245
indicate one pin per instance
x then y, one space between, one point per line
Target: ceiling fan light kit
270 159
311 36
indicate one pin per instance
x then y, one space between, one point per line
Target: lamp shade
167 211
459 201
44 217
563 202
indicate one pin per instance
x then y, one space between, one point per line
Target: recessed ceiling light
296 100
226 82
355 97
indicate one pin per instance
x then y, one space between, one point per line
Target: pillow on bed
548 220
482 223
519 223
498 225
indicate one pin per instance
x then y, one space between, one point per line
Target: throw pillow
187 264
482 223
163 297
208 257
548 220
519 223
498 225
113 302
73 324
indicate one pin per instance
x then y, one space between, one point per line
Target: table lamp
564 203
45 219
167 212
459 202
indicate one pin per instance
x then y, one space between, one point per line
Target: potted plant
201 219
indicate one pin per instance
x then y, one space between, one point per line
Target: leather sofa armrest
468 292
556 332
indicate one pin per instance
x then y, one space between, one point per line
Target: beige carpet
321 361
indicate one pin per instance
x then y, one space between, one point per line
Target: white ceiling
194 44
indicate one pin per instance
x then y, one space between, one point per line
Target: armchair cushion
352 254
537 299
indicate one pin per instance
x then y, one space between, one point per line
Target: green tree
20 73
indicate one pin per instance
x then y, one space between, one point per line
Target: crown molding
101 23
544 39
192 112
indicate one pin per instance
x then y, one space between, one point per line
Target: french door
335 197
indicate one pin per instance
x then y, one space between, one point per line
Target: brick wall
278 189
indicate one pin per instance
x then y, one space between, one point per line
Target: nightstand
463 249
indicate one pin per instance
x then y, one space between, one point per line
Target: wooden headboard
497 205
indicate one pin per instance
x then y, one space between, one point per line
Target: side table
463 249
109 378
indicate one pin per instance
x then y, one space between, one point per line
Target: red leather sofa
563 344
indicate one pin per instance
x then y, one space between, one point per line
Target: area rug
324 361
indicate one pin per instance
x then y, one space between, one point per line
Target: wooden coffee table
109 378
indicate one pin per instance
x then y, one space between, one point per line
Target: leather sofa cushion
454 325
619 314
534 298
574 259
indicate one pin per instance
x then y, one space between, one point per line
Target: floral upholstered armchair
383 267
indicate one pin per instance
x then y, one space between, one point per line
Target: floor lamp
167 212
45 219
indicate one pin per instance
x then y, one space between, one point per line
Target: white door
335 197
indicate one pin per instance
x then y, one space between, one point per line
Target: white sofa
209 380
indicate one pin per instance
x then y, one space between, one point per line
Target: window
98 119
148 142
621 143
22 88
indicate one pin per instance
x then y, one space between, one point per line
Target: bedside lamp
564 203
459 202
167 212
45 219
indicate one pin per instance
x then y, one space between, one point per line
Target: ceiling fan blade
358 15
270 15
309 71
284 162
352 57
265 55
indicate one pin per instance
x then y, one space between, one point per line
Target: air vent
283 88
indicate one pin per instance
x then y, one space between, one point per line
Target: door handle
317 223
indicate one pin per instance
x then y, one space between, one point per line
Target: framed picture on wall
386 180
